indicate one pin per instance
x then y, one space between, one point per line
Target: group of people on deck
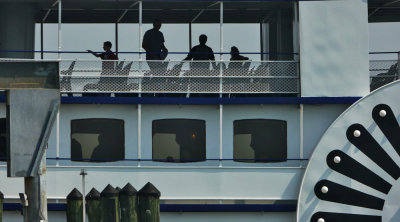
153 43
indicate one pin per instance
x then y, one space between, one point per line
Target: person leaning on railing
108 54
107 67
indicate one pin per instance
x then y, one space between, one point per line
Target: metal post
116 38
83 174
190 36
220 134
140 48
41 40
301 133
398 65
140 30
221 42
261 41
36 194
139 139
59 28
1 206
58 137
296 32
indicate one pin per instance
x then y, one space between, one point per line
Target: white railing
383 72
179 77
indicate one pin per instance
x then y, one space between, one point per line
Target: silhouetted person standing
153 42
202 51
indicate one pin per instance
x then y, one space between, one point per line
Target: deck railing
261 77
383 72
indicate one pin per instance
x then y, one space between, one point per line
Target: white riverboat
222 141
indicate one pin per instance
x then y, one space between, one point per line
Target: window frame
122 121
204 132
255 160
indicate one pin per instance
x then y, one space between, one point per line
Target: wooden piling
128 203
149 204
93 205
109 204
74 206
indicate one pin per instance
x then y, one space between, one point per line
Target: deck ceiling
384 10
168 11
184 11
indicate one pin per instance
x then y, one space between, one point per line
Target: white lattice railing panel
179 77
383 72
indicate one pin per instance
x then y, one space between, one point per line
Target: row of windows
174 140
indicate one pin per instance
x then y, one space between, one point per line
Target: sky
80 37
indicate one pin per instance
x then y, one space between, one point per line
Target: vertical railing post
74 206
221 44
109 204
128 202
59 28
93 205
1 206
149 203
398 66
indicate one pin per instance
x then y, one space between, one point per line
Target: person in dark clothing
236 66
108 54
153 42
202 51
107 67
235 54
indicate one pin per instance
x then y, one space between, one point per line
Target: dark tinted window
3 139
260 140
97 140
179 140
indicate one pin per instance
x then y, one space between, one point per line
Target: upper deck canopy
384 10
183 11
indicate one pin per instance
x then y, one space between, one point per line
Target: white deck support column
59 28
221 44
140 29
221 28
221 114
140 84
59 58
301 132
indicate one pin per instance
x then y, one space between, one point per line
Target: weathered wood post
109 204
1 206
74 206
149 203
93 205
119 207
128 203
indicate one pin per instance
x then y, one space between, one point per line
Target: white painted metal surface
334 48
